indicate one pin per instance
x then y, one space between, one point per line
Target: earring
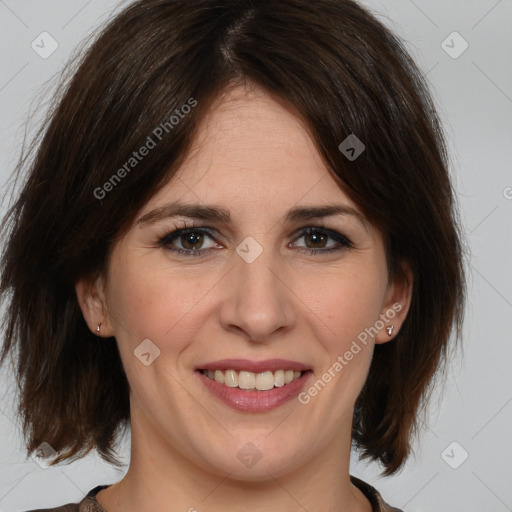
98 327
390 330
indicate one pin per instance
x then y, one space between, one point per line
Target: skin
253 157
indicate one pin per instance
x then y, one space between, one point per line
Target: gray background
474 96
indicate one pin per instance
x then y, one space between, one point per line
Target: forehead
250 150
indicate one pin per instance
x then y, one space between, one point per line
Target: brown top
89 503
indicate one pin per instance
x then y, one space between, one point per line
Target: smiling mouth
250 381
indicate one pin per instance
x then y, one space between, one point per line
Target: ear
396 305
92 301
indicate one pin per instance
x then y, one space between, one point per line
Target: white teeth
248 380
265 381
279 378
231 378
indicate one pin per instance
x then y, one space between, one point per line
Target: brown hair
342 71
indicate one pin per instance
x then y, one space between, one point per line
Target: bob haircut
329 61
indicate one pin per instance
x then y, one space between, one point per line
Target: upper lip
254 366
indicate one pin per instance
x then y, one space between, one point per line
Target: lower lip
255 401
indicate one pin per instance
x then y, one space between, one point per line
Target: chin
246 461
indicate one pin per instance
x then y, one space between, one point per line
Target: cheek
148 301
348 301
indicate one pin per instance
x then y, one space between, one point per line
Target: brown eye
193 240
188 241
317 240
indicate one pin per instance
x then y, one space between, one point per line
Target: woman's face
275 289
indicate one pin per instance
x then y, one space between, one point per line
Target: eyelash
165 240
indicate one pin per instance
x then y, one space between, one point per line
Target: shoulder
374 497
88 504
69 507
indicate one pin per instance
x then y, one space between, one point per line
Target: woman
238 237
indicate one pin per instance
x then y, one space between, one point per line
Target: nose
258 300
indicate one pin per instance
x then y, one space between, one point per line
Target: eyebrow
218 214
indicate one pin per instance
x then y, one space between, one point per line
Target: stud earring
98 327
390 329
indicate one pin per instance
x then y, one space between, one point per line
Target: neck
161 478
